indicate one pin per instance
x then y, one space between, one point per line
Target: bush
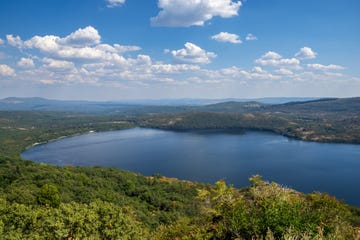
270 211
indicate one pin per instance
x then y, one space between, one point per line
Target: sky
164 49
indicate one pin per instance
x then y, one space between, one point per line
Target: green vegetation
38 191
21 129
106 203
40 201
321 121
264 211
97 220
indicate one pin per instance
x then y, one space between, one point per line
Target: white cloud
58 65
250 37
14 41
173 68
258 70
106 48
83 44
117 48
227 37
238 74
86 53
122 49
321 67
284 71
305 53
257 73
141 60
26 63
185 13
1 41
82 37
271 56
230 71
48 43
6 71
275 60
234 73
193 54
115 3
81 58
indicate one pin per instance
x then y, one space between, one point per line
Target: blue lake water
207 156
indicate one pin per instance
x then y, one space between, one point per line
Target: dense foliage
309 127
96 220
155 199
264 210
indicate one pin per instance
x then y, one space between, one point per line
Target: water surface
208 156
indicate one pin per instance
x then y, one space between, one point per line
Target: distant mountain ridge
286 105
43 104
350 105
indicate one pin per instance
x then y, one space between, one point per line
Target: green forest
41 201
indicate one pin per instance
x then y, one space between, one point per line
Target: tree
49 196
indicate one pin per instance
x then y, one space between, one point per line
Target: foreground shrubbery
155 200
39 201
97 220
101 203
264 211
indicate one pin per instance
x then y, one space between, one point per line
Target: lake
207 156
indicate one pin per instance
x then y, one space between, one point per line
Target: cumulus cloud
82 37
284 71
317 66
250 37
193 54
48 43
82 58
236 73
115 3
26 63
227 37
14 41
271 56
233 72
257 73
305 53
173 68
276 60
83 44
180 13
122 49
6 71
1 41
58 65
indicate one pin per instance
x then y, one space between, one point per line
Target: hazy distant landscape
179 120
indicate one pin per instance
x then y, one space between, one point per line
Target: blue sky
136 49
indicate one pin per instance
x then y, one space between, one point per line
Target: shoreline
238 131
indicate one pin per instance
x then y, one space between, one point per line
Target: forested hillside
325 120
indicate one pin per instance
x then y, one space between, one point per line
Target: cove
207 156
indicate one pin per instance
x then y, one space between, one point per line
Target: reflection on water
208 156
